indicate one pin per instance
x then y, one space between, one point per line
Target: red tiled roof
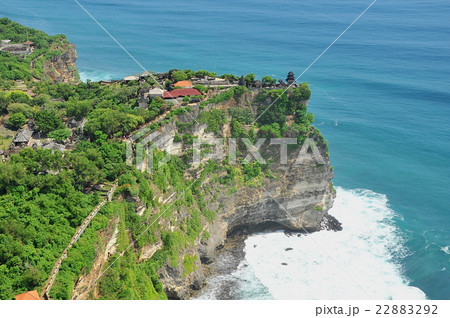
181 93
29 295
28 43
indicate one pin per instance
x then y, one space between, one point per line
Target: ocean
380 96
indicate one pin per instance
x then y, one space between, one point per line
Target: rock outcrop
297 200
61 68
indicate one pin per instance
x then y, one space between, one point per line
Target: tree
157 104
269 81
230 77
203 73
271 114
17 120
60 134
202 89
78 108
48 121
249 79
179 76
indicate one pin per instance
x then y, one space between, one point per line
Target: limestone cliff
295 197
58 64
62 68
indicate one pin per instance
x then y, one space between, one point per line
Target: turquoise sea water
380 94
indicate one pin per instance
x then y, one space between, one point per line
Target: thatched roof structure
22 136
257 84
156 92
55 146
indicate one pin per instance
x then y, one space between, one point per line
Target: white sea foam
356 263
95 76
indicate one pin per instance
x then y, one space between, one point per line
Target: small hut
22 138
257 84
156 92
28 45
53 146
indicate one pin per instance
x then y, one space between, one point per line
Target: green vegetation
189 264
48 121
179 76
242 115
17 120
249 79
60 134
268 80
214 119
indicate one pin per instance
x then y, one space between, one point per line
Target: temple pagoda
290 78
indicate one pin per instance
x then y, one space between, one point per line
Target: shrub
202 89
188 264
23 108
19 97
230 77
249 79
214 119
251 170
177 138
17 120
60 134
242 115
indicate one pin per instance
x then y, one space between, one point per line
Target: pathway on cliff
80 230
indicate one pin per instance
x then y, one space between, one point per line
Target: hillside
50 58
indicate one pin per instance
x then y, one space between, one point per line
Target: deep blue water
380 94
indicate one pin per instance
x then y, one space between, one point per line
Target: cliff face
61 68
295 197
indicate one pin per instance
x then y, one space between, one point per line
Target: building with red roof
29 295
176 93
184 84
